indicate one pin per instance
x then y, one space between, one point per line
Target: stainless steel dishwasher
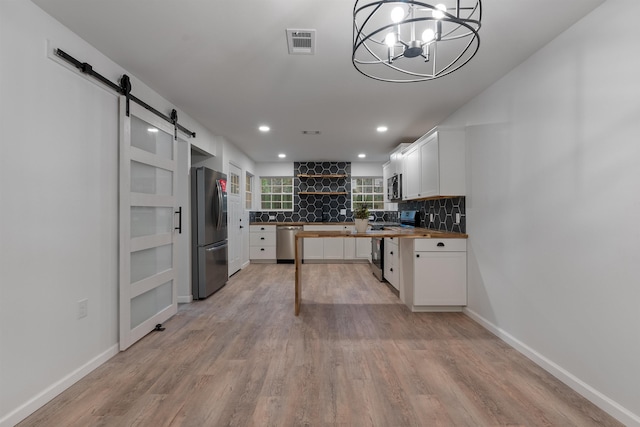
286 242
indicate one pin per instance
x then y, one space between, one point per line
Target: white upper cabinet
434 165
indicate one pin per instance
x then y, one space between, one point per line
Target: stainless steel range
407 219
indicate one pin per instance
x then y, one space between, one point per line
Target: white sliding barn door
148 180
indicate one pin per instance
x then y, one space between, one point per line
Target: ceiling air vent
301 42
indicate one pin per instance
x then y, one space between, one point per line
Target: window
234 184
367 191
276 194
248 192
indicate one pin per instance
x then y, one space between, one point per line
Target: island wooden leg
298 246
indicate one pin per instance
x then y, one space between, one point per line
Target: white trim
605 403
146 158
185 299
42 398
145 285
151 241
151 200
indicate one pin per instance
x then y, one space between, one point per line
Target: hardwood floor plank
354 357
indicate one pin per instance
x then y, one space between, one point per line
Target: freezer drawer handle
440 244
179 227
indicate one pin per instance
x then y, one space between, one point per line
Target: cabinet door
363 248
429 168
313 248
440 278
349 243
411 177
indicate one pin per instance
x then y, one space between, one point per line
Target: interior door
148 179
234 207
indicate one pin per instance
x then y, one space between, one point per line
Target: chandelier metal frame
375 57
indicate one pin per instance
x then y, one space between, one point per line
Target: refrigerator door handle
219 188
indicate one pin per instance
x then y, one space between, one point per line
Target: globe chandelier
411 41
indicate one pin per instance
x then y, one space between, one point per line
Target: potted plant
361 215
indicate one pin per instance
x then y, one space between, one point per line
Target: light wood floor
354 357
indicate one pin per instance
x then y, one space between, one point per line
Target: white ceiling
226 64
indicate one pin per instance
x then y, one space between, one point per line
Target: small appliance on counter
409 219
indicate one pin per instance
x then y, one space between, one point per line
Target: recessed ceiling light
282 155
382 128
264 128
362 155
152 130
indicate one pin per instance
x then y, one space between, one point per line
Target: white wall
274 169
553 207
58 208
366 169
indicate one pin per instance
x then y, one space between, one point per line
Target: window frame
372 185
248 191
273 184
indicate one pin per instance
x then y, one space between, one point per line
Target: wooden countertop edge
407 234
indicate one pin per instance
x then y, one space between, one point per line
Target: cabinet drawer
262 239
266 252
258 228
440 245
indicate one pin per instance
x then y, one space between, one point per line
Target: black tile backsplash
444 213
320 208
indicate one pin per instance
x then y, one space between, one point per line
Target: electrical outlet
83 308
343 211
271 217
430 217
457 218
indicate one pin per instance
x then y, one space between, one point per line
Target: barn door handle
179 227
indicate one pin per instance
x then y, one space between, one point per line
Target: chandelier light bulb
397 14
404 41
428 35
438 12
390 40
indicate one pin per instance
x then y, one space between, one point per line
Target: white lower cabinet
391 262
435 274
335 248
262 243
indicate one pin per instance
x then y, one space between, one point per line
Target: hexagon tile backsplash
320 207
439 214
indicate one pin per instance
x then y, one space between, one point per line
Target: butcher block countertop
407 233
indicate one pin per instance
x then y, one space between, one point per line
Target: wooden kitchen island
399 232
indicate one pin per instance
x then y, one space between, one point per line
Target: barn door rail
123 88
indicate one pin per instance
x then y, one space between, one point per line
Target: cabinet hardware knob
391 269
262 249
241 227
417 255
391 253
441 244
261 228
262 238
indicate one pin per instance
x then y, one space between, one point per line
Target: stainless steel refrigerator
209 231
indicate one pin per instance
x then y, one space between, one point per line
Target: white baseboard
39 400
185 299
608 405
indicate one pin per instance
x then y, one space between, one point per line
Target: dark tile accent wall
443 210
319 208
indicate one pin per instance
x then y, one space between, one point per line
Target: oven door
377 260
